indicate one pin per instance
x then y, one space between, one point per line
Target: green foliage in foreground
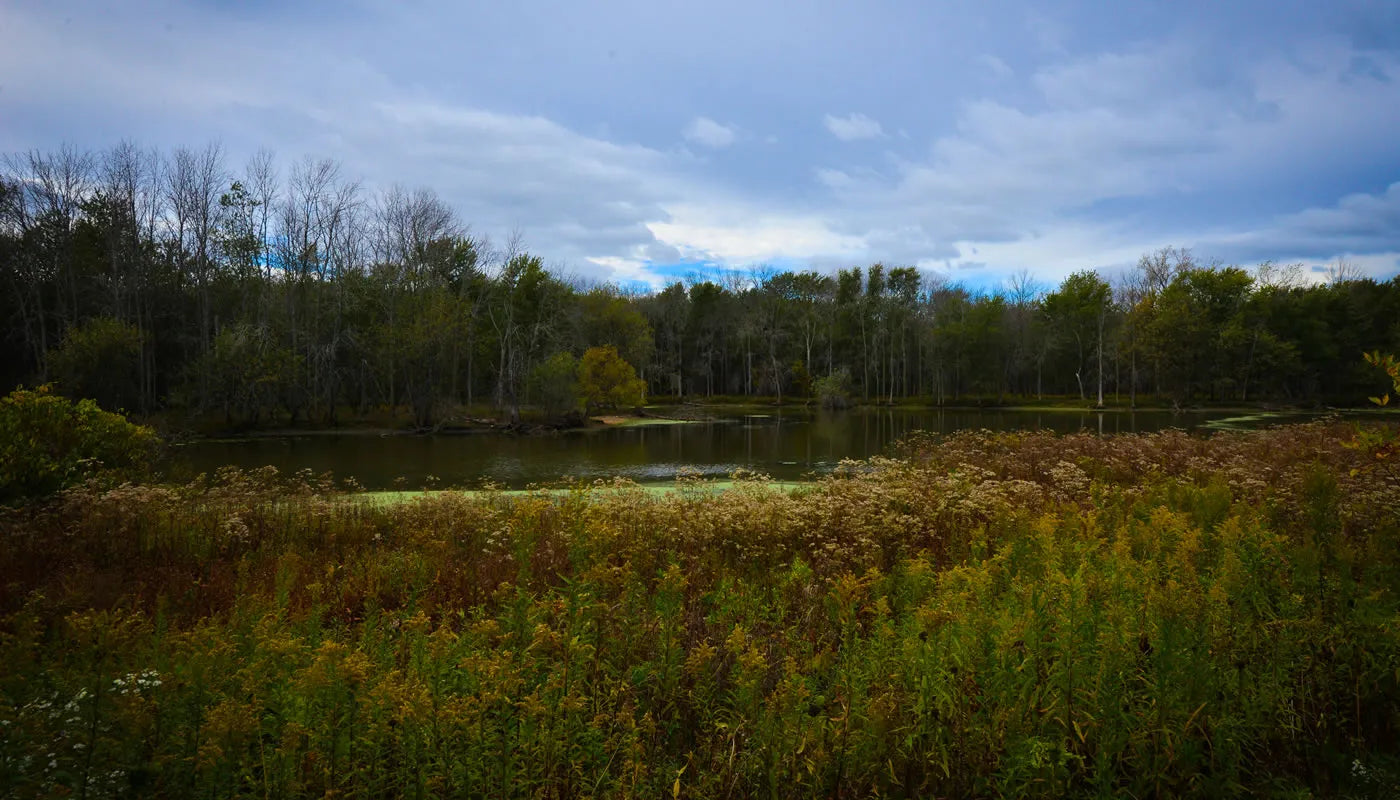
1391 367
1015 615
48 442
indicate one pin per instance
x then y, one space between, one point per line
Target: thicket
48 442
1018 615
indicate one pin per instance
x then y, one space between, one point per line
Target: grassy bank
1008 402
1013 615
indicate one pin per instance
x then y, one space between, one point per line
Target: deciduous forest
154 280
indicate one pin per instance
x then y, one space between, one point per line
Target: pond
787 444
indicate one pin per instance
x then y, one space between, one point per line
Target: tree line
151 281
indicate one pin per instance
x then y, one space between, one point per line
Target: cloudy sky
633 141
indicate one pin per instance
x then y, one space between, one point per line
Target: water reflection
787 444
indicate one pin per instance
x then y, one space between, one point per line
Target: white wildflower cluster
68 722
1068 479
74 705
499 540
973 473
56 710
136 682
236 530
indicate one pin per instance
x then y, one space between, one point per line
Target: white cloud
853 127
1058 251
1010 182
1019 179
708 133
627 270
574 197
835 178
1354 226
747 236
994 66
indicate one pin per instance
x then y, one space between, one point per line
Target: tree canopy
152 281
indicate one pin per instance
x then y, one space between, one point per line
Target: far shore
687 411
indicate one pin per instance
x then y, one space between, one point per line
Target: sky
637 142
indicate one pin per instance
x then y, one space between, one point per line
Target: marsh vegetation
1017 614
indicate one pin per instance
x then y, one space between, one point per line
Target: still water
787 444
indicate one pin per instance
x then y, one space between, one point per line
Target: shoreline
666 415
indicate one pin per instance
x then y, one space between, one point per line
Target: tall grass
1018 615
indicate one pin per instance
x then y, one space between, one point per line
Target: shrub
833 391
48 442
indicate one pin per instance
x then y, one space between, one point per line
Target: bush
833 391
48 442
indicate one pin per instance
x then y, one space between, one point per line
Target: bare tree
1130 287
1023 290
121 185
408 225
1159 267
1343 270
131 186
413 233
1271 275
25 270
50 189
261 178
316 245
1154 274
194 181
63 180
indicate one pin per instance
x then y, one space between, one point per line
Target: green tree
607 381
100 359
667 311
708 332
1196 334
608 319
247 374
901 310
811 296
525 315
1077 312
554 385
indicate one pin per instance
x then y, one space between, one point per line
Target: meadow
985 615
